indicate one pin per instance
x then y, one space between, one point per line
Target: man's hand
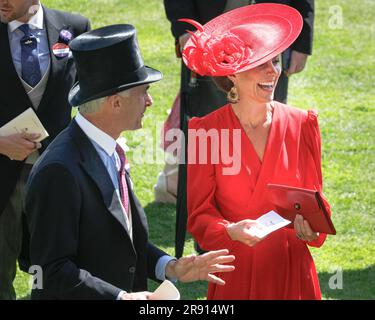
143 295
297 62
183 39
303 229
194 268
19 146
240 231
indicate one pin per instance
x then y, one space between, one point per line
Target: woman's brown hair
223 83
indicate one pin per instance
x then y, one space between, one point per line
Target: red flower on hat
215 55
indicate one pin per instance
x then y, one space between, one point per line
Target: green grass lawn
339 82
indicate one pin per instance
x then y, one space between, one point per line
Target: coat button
132 269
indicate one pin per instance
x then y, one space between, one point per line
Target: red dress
280 266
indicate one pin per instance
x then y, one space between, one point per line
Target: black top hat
108 60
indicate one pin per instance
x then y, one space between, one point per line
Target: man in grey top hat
88 231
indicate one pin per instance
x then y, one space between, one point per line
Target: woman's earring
232 95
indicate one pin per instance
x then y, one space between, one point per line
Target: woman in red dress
272 142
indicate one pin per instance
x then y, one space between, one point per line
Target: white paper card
28 122
269 222
166 291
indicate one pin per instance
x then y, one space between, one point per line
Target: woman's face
258 84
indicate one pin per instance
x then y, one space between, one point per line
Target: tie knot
25 29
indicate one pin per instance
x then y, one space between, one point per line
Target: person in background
37 71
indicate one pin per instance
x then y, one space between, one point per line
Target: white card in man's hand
166 291
268 223
27 122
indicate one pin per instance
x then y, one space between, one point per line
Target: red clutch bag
311 204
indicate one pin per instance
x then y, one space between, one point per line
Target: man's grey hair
95 105
91 106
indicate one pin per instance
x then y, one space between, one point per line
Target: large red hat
241 39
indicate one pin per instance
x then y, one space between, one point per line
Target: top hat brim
77 97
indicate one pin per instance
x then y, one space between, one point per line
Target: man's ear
114 102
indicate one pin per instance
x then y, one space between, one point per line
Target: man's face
134 106
16 9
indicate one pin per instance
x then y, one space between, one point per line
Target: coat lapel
94 167
140 226
53 27
10 81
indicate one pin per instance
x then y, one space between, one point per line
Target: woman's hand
240 231
303 229
183 39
